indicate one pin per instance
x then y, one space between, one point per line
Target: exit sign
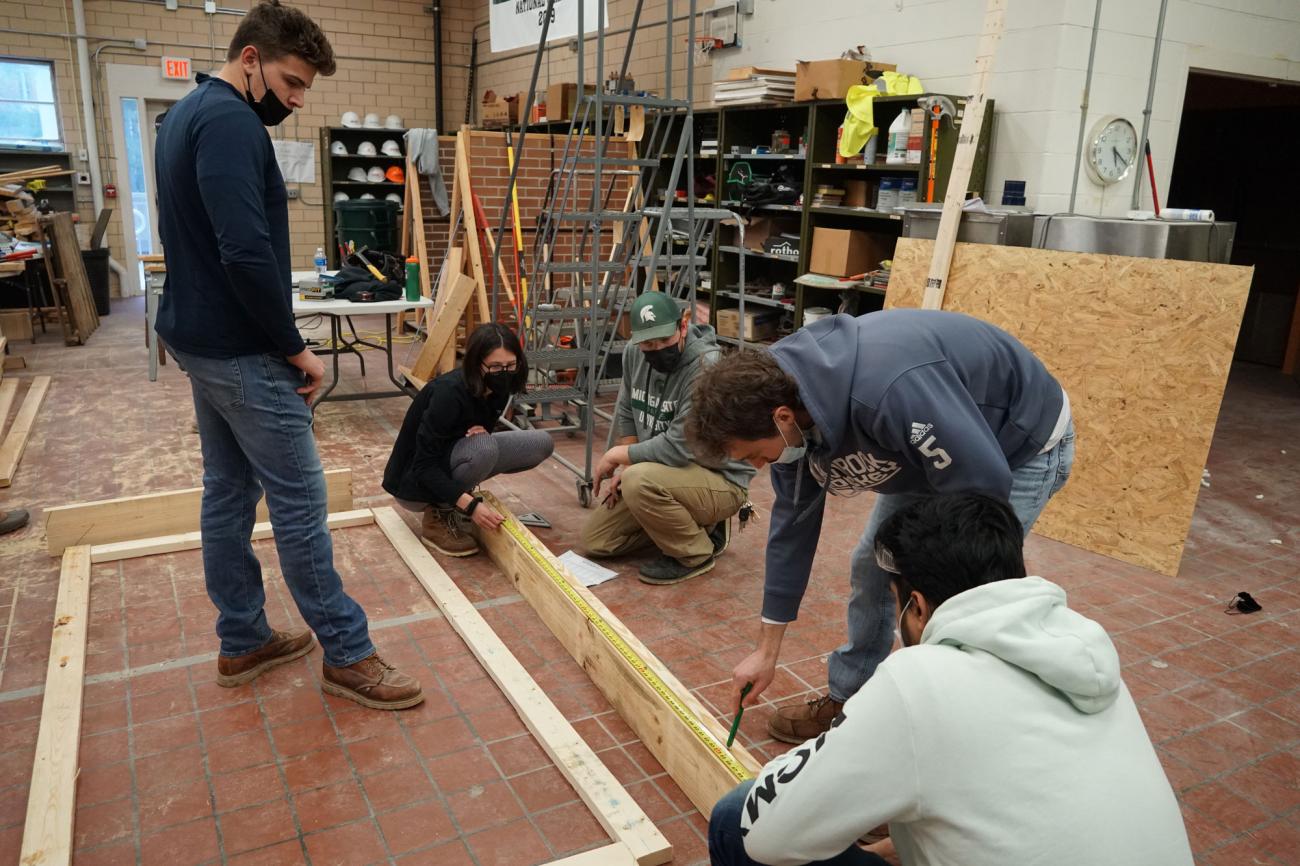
176 67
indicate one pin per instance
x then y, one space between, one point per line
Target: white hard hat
367 196
357 173
375 175
340 196
393 122
338 148
350 120
371 121
391 148
395 198
366 148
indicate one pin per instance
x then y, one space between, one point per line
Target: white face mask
898 627
791 453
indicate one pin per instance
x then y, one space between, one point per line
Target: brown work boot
443 532
284 646
374 683
797 723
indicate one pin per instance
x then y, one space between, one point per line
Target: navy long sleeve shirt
223 217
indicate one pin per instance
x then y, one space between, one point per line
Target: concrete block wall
1040 68
385 64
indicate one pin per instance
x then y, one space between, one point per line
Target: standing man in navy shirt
227 316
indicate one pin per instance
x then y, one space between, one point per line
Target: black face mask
499 383
270 110
664 360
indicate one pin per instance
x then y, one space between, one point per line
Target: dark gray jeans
475 459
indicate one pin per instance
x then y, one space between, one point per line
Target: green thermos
413 279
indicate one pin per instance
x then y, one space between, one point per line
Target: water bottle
320 261
413 279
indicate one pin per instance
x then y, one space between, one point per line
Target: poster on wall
518 23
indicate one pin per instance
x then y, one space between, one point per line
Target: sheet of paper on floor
585 570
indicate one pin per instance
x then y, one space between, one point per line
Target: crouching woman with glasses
447 446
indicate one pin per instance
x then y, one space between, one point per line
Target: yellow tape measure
669 697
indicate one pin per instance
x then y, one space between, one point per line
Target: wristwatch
468 511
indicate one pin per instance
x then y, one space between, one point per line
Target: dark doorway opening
1236 156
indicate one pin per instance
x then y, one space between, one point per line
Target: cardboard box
561 99
498 110
760 324
831 79
845 252
15 325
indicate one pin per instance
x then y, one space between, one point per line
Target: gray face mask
791 453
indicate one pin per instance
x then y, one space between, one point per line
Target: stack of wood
19 214
67 274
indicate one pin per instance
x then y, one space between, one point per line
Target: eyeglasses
512 367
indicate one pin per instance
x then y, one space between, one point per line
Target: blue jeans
256 435
872 610
727 846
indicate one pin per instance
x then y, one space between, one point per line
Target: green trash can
369 224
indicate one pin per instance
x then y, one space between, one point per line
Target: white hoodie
1006 738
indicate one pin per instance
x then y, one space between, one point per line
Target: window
28 108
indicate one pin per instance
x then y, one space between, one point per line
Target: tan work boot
797 723
284 646
374 683
443 532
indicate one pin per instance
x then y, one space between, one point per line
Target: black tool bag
355 280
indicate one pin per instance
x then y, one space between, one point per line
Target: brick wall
385 64
489 177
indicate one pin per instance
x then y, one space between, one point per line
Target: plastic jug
898 130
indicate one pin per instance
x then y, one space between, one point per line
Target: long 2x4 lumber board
52 798
690 760
607 799
115 550
153 515
15 441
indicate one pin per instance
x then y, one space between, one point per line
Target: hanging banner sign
518 23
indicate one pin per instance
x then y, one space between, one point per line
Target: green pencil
740 711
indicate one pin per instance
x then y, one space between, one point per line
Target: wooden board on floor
690 762
52 798
1142 347
607 799
610 855
155 514
8 391
116 550
15 441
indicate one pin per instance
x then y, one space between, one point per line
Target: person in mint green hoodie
659 495
1001 734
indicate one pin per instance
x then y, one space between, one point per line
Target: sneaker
284 646
665 570
12 521
720 535
442 530
372 682
798 723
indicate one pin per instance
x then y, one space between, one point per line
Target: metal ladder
602 241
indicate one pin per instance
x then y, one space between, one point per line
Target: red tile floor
176 770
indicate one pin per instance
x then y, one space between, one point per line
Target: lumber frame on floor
689 760
607 799
15 441
51 806
156 514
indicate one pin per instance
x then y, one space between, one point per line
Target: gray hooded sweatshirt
653 406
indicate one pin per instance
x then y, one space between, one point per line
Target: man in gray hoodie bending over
901 403
663 496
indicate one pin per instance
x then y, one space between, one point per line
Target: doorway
136 98
1235 156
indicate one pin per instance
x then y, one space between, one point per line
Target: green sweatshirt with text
654 406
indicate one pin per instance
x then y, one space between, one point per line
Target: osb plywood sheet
1142 346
